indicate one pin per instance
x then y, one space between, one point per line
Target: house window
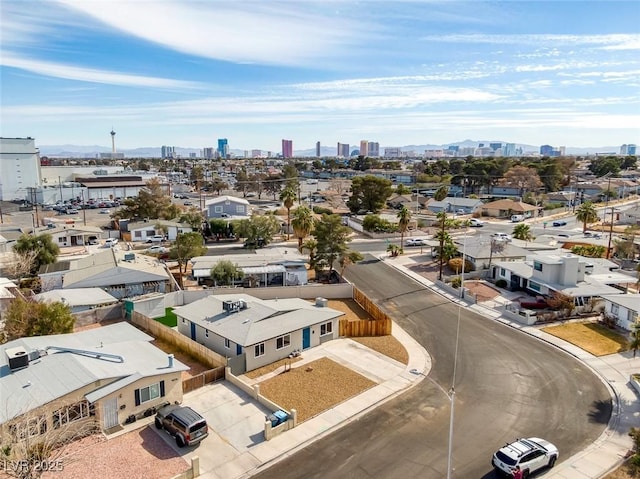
534 286
149 393
227 343
258 350
326 328
217 209
537 266
283 341
71 413
503 272
615 309
150 232
632 316
137 234
239 208
32 427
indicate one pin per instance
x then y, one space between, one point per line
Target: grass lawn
592 337
169 318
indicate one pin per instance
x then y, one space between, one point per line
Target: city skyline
188 73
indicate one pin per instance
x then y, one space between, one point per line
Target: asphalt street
507 385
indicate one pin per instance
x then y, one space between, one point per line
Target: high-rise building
509 149
208 153
318 149
287 148
495 146
20 173
343 150
392 152
256 153
364 148
168 152
629 149
374 149
223 148
546 150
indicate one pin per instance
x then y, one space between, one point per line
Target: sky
187 72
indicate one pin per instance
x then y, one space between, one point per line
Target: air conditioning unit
18 358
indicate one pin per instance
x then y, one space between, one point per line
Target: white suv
530 454
502 237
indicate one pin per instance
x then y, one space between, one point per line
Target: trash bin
281 416
272 419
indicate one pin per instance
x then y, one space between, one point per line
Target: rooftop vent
321 302
18 358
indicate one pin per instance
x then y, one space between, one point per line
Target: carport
267 275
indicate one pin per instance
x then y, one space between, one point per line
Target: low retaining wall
192 472
254 391
206 377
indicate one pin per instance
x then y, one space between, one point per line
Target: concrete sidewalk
609 450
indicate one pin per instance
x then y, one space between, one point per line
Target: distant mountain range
93 151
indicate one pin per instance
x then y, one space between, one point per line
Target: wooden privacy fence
365 327
203 378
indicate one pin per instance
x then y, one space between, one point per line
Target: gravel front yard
315 387
139 454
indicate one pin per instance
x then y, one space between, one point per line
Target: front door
110 413
306 338
193 331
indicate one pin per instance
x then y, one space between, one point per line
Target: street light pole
610 233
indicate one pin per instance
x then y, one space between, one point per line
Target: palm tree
311 245
634 344
587 213
349 257
302 223
288 198
404 218
522 231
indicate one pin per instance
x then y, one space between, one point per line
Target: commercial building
223 148
287 148
343 150
19 168
168 152
318 149
364 148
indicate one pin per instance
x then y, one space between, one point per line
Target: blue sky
186 72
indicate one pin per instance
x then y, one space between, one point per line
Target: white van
517 218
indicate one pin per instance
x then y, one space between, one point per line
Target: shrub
319 210
456 282
456 265
375 224
501 283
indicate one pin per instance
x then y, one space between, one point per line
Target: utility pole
84 209
60 187
610 233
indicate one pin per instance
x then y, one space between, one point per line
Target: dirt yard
481 290
592 337
315 387
136 455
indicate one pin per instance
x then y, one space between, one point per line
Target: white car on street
110 242
416 242
156 249
502 237
476 223
530 454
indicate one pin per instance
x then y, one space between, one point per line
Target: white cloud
91 75
616 41
278 33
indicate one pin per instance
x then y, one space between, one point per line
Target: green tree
193 218
523 178
604 165
302 223
242 182
225 273
404 219
332 237
311 245
402 189
152 202
376 224
288 198
441 193
40 247
258 227
442 235
186 246
522 231
369 193
495 246
586 213
25 318
634 344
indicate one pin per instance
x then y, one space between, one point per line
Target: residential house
119 273
255 332
508 192
142 231
462 206
72 235
507 208
8 292
80 299
624 308
564 198
100 376
227 207
546 273
478 252
262 267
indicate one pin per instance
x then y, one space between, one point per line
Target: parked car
155 239
157 249
187 203
187 426
110 242
517 218
416 242
559 223
105 212
530 454
476 223
502 237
